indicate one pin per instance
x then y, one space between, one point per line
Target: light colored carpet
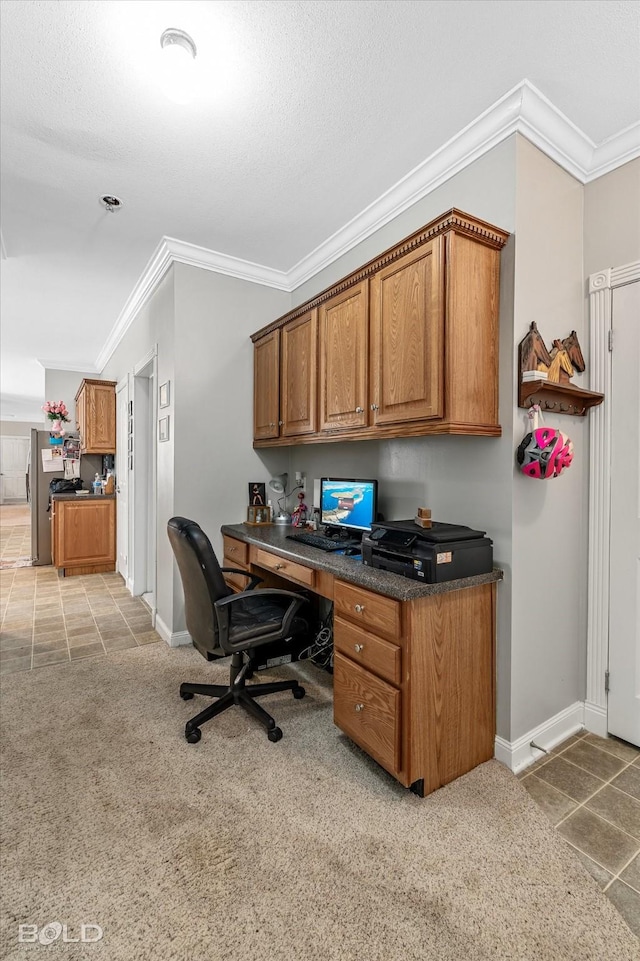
240 849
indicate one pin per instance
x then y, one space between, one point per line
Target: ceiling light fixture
111 203
178 67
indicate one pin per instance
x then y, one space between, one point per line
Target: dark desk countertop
351 569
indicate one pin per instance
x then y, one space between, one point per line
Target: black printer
442 552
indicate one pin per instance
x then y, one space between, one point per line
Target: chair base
237 692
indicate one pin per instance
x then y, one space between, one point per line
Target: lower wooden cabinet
83 535
414 681
236 555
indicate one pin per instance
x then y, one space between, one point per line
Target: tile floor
589 787
47 619
15 534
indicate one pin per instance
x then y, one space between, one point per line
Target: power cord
320 651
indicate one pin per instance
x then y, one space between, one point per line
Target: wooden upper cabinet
266 386
96 416
344 346
299 373
407 320
406 345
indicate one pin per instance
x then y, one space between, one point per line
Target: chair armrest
236 570
223 609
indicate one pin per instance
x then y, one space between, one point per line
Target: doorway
15 512
142 569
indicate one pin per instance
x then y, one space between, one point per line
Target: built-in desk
414 665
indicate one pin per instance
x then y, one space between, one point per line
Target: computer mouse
349 551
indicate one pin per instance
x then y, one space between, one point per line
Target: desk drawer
368 710
283 567
367 650
372 611
236 553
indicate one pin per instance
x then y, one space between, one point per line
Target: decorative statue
299 515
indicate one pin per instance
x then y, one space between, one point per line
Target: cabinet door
84 533
299 355
266 386
96 414
344 348
407 321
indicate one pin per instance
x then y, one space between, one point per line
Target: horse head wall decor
560 363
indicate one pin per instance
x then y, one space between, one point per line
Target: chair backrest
202 581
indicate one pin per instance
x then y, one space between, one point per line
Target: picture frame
258 515
164 394
257 494
163 429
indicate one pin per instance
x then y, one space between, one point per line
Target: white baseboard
595 719
519 754
173 639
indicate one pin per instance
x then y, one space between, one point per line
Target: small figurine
300 513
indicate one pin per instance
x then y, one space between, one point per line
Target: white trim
595 719
88 368
176 639
519 754
523 109
3 249
601 286
150 355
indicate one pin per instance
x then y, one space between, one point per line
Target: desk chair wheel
193 736
274 734
186 695
299 692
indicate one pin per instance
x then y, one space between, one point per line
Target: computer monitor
348 504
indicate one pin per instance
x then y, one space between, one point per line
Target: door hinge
611 340
606 682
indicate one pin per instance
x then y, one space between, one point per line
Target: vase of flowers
57 413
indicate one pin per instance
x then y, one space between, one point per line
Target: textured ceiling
306 113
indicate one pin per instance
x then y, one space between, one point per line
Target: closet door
623 706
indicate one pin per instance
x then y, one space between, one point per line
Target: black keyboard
321 541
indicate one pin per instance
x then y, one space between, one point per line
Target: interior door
14 452
124 456
624 604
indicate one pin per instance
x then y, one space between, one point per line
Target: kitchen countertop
351 569
72 496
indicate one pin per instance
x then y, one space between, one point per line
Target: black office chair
222 623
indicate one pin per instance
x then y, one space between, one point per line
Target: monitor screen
348 503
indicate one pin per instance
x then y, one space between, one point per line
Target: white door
624 606
124 454
14 452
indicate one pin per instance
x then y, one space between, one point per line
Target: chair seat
254 618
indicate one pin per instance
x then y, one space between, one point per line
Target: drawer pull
232 550
278 567
359 707
358 648
359 608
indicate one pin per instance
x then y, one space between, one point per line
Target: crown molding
88 368
523 109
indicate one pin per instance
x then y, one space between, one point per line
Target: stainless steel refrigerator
90 465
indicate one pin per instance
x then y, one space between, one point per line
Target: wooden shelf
559 398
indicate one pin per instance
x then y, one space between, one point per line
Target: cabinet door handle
374 407
280 423
358 647
359 410
359 608
359 707
272 423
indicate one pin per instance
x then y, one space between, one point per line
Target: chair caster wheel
274 734
193 736
186 695
299 692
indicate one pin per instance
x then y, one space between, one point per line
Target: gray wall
612 219
63 385
464 480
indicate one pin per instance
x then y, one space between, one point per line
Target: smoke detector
111 203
